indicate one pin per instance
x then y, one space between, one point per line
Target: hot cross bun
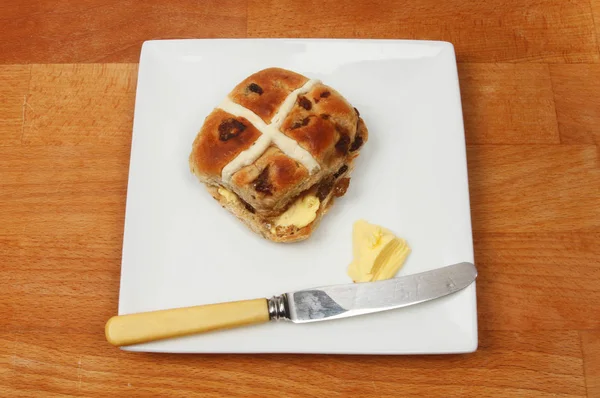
277 142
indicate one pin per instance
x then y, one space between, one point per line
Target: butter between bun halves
277 151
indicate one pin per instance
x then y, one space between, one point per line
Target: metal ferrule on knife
278 308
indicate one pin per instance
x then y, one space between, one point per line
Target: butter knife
311 305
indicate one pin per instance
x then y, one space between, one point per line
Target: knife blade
310 305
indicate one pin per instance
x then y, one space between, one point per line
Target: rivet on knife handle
156 325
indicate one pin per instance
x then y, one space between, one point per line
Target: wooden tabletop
530 82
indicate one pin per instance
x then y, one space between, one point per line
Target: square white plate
181 248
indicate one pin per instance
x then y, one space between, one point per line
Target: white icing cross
269 133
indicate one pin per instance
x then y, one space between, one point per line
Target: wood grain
72 104
46 31
533 281
534 188
577 95
14 85
590 340
61 191
62 209
527 364
596 16
519 31
508 104
58 279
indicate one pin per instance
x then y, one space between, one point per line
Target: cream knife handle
149 326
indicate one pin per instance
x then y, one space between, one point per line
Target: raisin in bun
277 142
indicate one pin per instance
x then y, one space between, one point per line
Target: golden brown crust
220 140
361 137
323 123
265 90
